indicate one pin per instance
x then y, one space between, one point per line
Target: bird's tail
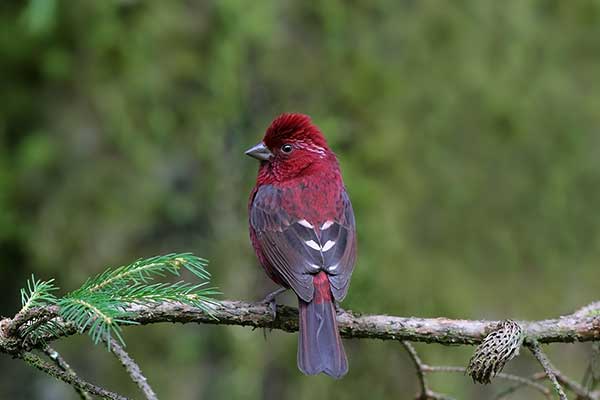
320 347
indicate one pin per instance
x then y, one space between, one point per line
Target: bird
303 231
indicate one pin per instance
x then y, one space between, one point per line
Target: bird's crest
295 127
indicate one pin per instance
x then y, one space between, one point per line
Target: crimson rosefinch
303 232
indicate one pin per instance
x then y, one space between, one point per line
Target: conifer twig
424 392
521 381
68 378
423 369
133 369
62 364
551 372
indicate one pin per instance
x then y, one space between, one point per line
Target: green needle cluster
100 306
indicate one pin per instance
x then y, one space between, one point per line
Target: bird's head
292 143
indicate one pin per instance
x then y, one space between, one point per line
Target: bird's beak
260 152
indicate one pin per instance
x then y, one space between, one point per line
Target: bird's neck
273 174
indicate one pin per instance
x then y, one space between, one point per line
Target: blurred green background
467 131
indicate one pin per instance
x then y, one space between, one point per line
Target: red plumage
303 232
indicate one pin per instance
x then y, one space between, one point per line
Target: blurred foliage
467 132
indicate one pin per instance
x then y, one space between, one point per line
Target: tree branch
63 365
551 372
581 392
424 392
577 327
507 377
68 378
134 370
581 326
423 369
571 328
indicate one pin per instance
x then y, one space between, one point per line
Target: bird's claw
273 308
271 301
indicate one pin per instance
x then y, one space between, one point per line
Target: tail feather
320 347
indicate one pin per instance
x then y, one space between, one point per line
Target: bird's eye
287 148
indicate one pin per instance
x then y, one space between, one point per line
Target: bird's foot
338 308
271 301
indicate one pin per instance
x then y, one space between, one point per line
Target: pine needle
99 306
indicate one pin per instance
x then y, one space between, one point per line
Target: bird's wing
283 241
338 238
297 249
